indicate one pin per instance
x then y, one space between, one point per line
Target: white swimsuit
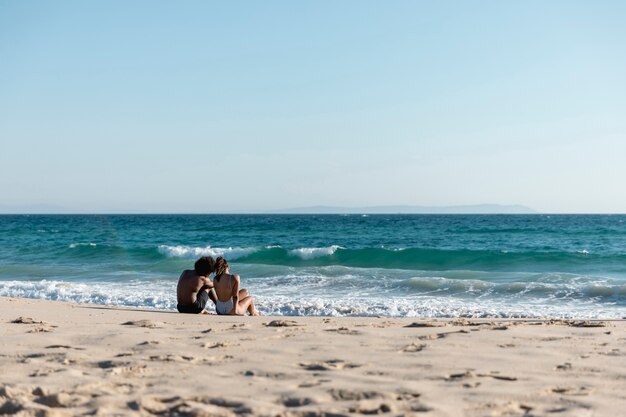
224 307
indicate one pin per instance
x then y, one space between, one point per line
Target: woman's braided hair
220 267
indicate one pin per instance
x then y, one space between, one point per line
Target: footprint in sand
472 374
144 323
464 322
63 400
335 364
41 330
612 352
510 408
284 336
460 375
151 405
64 347
263 374
111 364
57 357
339 394
38 401
413 347
344 331
553 339
282 323
379 402
131 370
149 342
44 372
585 323
497 376
312 383
190 359
8 391
507 345
291 402
173 358
44 327
102 388
216 345
372 407
192 406
27 320
440 335
407 395
33 355
570 390
563 367
422 324
241 326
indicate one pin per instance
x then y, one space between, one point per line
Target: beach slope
61 359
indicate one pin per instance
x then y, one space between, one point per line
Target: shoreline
60 358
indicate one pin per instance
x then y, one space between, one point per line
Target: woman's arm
235 309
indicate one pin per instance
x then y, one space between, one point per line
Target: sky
207 106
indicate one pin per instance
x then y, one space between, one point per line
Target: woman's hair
204 266
220 267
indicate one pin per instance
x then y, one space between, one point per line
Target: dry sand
70 359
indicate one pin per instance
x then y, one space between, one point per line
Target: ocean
501 266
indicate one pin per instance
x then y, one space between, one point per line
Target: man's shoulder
188 273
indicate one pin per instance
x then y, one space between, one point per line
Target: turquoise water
390 265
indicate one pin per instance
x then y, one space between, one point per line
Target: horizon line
224 213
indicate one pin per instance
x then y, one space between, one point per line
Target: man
195 287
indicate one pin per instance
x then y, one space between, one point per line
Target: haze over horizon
400 209
259 106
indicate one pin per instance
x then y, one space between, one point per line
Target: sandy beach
70 359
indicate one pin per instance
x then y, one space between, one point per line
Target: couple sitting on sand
195 288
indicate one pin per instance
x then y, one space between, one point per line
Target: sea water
561 266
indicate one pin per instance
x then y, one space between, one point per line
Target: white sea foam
150 294
76 245
194 251
310 253
161 294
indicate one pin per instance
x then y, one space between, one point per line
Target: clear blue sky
188 106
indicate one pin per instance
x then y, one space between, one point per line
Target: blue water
389 265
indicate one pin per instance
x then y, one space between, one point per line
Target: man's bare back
189 284
195 287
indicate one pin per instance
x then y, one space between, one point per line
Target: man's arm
207 283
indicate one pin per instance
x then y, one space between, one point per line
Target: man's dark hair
204 266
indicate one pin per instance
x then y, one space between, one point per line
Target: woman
230 300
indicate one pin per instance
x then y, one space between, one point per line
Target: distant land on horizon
406 209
